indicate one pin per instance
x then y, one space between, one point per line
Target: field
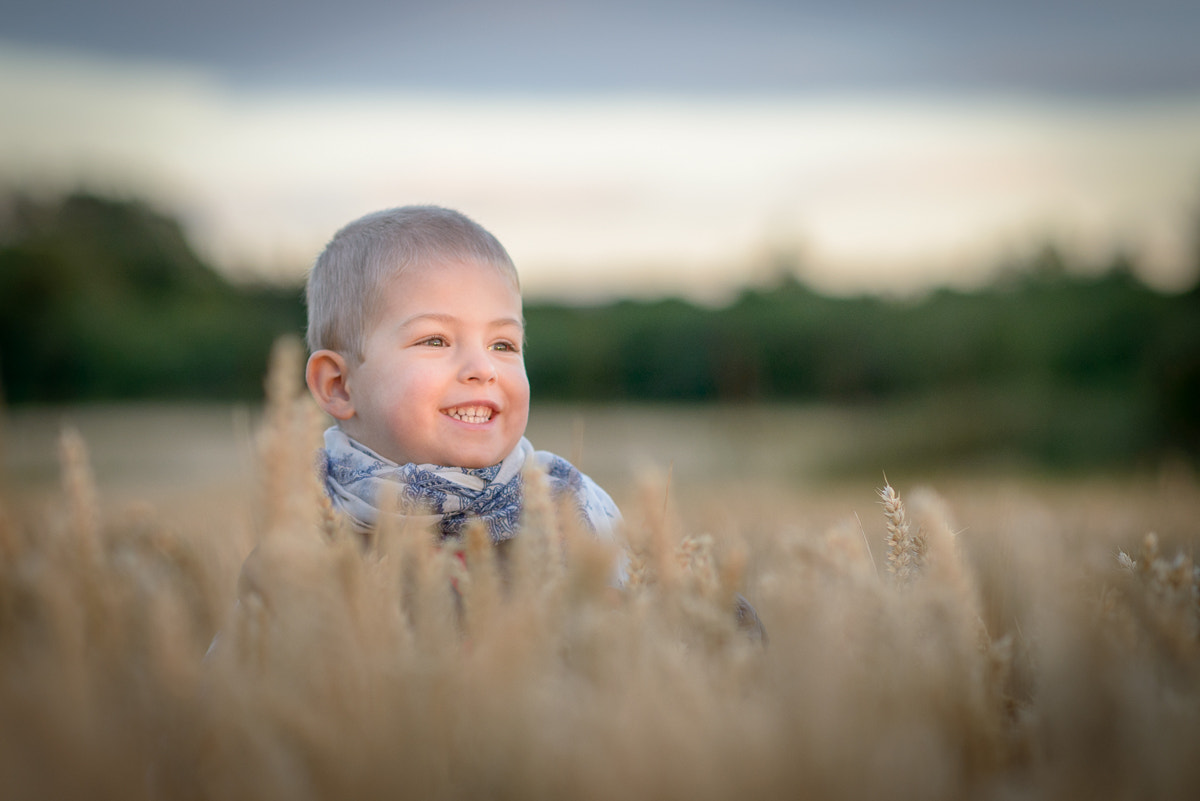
978 631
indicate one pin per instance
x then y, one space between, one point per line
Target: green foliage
103 299
1065 369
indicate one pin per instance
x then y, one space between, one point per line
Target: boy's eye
505 346
435 342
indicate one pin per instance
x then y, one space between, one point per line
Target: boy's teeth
470 414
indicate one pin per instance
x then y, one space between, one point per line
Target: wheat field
225 637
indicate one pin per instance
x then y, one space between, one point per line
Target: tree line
104 299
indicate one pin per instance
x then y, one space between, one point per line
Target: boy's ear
327 377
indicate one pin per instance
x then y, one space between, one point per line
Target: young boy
417 336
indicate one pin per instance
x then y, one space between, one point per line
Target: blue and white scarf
358 481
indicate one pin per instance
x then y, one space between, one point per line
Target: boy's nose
478 366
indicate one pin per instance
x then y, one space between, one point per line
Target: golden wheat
1035 667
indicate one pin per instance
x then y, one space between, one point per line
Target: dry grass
1023 657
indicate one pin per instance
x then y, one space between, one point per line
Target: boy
416 335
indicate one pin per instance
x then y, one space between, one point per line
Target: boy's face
442 380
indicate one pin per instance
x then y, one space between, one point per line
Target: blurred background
809 240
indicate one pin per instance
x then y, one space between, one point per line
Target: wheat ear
906 550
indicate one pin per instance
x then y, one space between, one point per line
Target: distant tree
104 298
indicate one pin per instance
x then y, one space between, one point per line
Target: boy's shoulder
596 505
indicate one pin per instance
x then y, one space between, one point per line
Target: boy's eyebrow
441 317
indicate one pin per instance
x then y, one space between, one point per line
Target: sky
631 148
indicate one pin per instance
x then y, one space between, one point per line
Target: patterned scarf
358 480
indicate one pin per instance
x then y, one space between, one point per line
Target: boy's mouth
470 414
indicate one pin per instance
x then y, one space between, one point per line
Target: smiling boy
417 338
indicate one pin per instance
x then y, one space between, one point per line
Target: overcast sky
1057 46
612 143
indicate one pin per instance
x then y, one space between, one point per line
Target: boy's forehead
413 284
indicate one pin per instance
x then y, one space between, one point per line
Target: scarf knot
362 484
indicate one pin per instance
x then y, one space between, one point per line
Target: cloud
623 194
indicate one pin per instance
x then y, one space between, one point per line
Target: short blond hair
344 282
